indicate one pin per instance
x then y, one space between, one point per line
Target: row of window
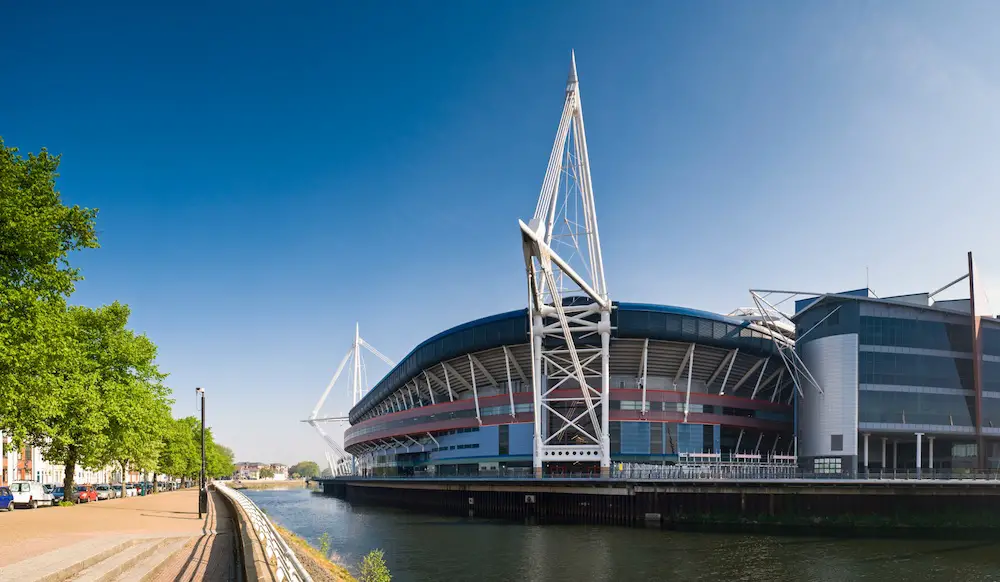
505 409
915 408
991 340
453 448
914 333
458 431
702 409
915 370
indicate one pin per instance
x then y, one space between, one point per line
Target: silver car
104 492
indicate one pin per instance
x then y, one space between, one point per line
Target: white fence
279 555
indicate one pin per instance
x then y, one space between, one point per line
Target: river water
421 547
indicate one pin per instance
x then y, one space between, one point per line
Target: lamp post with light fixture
202 485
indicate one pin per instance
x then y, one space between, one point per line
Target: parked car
58 494
6 499
130 490
85 493
48 487
104 492
30 494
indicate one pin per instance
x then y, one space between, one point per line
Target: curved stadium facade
683 384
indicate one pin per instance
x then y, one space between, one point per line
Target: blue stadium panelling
521 437
635 438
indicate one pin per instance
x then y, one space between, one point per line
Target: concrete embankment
921 508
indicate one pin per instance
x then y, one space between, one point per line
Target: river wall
855 508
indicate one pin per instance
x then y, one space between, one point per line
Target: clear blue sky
269 173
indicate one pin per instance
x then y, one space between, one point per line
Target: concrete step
145 569
64 562
114 565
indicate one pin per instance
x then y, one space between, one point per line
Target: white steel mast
358 390
570 312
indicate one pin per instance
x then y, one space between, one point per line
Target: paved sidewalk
208 556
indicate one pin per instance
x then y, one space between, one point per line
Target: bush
324 544
373 568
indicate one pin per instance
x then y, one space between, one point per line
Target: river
420 547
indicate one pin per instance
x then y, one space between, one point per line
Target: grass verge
321 568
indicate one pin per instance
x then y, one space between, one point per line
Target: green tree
37 234
107 370
138 412
304 470
219 461
326 472
178 452
373 568
183 448
266 473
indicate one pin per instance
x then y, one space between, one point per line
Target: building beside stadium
904 383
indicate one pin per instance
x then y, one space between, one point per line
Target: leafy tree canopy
304 469
111 400
37 234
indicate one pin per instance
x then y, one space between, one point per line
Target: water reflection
423 547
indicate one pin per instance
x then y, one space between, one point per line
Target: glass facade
915 370
910 408
935 388
990 340
914 333
991 410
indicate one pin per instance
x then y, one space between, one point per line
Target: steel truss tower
338 462
570 313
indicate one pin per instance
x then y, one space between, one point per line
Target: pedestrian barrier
279 555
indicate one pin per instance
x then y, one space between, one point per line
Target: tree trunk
156 485
69 493
124 465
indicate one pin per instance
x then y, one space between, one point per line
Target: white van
30 494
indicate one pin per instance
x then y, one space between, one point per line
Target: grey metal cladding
833 361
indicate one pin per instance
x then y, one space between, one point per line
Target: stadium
578 383
684 384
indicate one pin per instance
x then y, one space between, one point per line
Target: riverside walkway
155 537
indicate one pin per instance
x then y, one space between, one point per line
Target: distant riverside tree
177 449
304 470
37 234
220 461
266 473
326 472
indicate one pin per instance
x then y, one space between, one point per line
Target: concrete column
920 441
930 453
866 450
884 439
895 454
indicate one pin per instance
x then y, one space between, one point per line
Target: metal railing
277 552
720 472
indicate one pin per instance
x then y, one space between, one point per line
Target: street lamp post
202 485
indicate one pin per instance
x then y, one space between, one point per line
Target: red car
85 493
